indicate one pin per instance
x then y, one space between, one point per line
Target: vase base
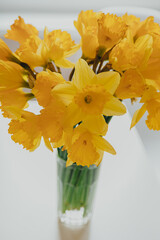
74 218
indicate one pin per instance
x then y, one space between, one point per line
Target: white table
127 200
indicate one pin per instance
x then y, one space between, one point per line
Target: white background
70 5
127 203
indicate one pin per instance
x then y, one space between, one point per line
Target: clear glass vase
76 191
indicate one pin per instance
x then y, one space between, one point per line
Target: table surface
127 199
128 193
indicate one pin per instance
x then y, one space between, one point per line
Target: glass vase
76 191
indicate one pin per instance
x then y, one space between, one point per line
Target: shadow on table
66 233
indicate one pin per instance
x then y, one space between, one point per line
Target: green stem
76 185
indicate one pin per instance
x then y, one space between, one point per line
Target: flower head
132 85
148 26
132 23
44 83
26 130
20 31
90 94
129 55
111 29
151 103
51 120
56 46
30 52
86 147
87 26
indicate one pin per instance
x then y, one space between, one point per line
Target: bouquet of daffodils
120 60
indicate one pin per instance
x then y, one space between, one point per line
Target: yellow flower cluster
120 59
132 48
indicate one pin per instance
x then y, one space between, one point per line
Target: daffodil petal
69 162
48 144
99 160
74 116
45 82
96 124
36 143
58 144
64 63
114 107
110 81
144 44
65 92
20 31
83 74
26 130
138 115
103 144
11 112
74 49
11 75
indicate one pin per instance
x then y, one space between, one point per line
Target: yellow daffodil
148 26
135 81
129 55
151 73
151 103
45 82
132 23
20 31
56 46
125 54
90 94
94 124
132 85
30 52
87 26
51 120
61 46
11 76
111 29
26 130
142 69
86 147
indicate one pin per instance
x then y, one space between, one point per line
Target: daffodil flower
45 82
131 55
151 103
87 26
86 147
111 29
89 95
20 31
56 45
